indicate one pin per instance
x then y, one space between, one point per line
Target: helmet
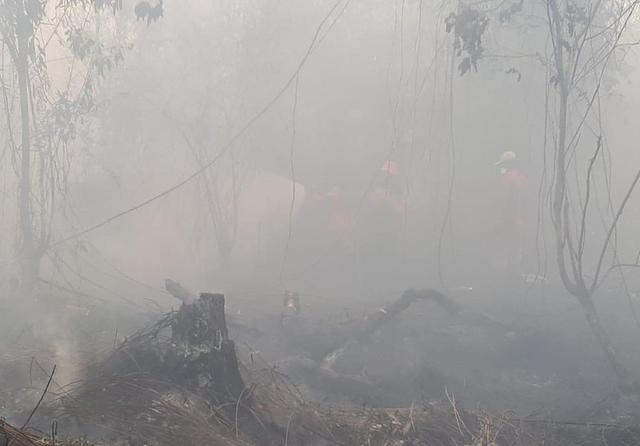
391 168
506 157
334 192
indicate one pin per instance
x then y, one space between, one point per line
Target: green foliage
57 102
81 44
62 119
144 11
99 5
468 27
84 46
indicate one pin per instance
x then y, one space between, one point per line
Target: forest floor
479 376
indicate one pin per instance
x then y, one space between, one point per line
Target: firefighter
513 221
338 252
380 230
388 195
340 218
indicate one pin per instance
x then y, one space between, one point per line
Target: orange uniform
513 224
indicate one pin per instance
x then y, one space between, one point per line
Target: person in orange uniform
380 229
388 193
514 187
341 219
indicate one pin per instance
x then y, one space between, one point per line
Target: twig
31 372
583 223
567 423
456 413
613 226
293 177
413 426
286 436
41 398
237 408
54 432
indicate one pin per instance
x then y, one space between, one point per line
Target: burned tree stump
201 354
175 382
201 322
189 348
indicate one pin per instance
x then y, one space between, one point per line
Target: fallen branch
376 320
44 392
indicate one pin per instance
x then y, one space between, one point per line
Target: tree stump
201 356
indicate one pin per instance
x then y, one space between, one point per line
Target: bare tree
221 189
50 106
584 36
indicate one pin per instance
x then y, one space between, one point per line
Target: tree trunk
29 262
593 319
576 286
573 281
202 356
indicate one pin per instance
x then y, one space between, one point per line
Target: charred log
382 316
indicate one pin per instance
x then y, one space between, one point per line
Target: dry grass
145 408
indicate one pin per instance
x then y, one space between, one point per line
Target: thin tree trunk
577 286
574 283
593 319
27 252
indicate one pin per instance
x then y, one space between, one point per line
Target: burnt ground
524 351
